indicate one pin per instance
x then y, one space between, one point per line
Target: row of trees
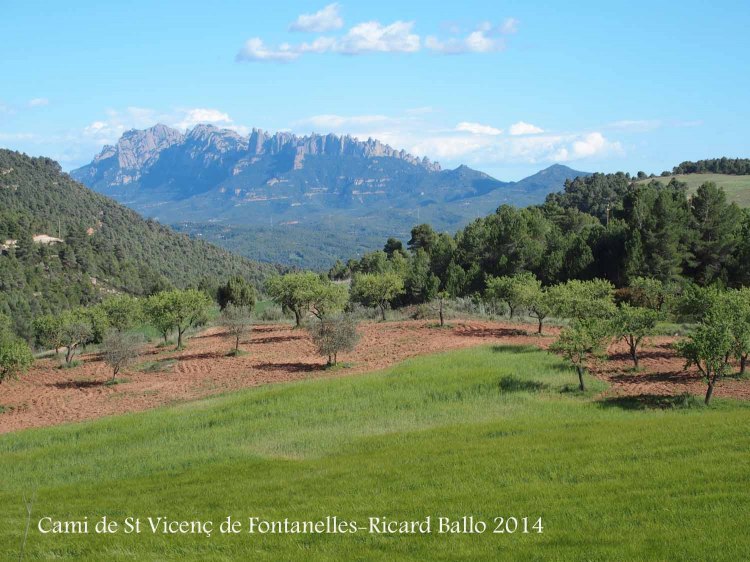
720 339
596 311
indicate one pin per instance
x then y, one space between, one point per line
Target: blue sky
505 87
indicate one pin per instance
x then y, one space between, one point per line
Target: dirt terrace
48 395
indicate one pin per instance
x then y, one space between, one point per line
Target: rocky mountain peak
137 148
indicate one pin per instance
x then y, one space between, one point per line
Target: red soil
48 395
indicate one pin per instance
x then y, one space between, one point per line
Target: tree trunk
634 355
582 386
539 330
743 363
709 392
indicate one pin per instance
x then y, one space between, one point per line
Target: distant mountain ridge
317 182
148 155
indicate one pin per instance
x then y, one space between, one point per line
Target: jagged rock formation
325 183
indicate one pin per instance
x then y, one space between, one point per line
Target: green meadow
485 432
736 187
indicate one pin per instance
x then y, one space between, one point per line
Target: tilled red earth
48 395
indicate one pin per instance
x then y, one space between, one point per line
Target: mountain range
294 191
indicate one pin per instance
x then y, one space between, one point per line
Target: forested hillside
603 226
105 246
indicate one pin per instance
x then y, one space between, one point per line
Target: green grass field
485 432
736 187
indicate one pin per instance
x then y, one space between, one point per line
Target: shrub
15 357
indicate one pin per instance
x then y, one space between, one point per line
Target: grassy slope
485 432
737 187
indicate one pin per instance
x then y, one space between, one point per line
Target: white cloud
591 145
195 116
368 37
320 45
476 144
110 129
486 150
477 128
510 25
475 42
449 147
255 50
38 102
523 128
372 36
326 19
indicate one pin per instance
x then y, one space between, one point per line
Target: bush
271 314
15 357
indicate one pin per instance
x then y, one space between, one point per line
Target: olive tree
76 330
377 289
238 321
334 334
120 349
